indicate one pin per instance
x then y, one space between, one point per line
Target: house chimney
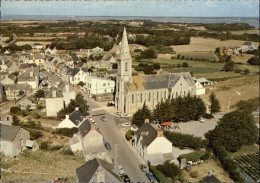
159 133
76 109
31 74
67 116
93 127
146 120
54 94
87 117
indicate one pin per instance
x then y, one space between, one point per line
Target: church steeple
124 50
125 60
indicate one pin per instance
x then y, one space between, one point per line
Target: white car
121 170
125 125
125 116
118 113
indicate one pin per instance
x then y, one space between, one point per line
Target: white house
37 46
152 145
37 59
54 102
96 85
76 75
29 77
246 46
97 170
72 120
13 139
50 51
90 141
199 89
68 94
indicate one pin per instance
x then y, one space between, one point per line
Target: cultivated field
245 32
44 43
199 44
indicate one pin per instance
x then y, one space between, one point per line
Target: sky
170 8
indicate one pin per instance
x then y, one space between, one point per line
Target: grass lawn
246 149
198 55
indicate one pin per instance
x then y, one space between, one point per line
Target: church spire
124 50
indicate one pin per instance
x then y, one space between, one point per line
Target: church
133 91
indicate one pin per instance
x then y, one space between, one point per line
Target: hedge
193 156
66 131
159 175
129 134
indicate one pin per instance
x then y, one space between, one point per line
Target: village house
246 46
37 46
133 91
23 67
152 145
12 90
49 51
90 141
68 94
8 79
13 139
97 85
204 81
72 120
30 77
38 59
76 75
54 102
97 170
6 119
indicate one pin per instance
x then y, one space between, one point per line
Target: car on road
125 125
103 118
201 120
125 116
150 176
108 146
110 104
125 178
118 113
121 170
143 167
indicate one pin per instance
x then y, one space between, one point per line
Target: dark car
150 176
108 146
125 178
110 104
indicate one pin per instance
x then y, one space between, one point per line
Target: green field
200 56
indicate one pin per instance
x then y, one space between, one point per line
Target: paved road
126 155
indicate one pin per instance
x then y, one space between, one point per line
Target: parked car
103 118
150 176
108 146
125 125
143 167
121 170
201 120
110 104
125 116
125 178
118 113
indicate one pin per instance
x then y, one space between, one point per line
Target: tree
81 83
114 66
246 71
149 53
39 94
229 66
141 115
164 111
234 129
15 110
214 104
156 66
21 92
170 170
185 64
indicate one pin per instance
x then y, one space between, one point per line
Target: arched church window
125 66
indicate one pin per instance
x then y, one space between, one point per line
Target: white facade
199 89
68 94
95 85
54 105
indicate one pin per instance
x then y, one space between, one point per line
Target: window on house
165 94
104 84
125 66
184 93
149 96
133 98
141 97
157 96
108 84
111 90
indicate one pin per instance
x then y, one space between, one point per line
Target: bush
159 175
170 170
15 110
39 94
81 83
67 151
193 156
44 145
35 134
185 64
194 174
55 148
129 134
21 92
67 131
35 115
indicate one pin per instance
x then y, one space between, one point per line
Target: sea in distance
254 21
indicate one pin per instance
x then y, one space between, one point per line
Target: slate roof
76 117
149 137
248 43
40 56
37 44
75 58
73 71
50 94
84 69
85 172
84 128
24 87
8 132
210 179
24 66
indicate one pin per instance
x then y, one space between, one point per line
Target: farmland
249 164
